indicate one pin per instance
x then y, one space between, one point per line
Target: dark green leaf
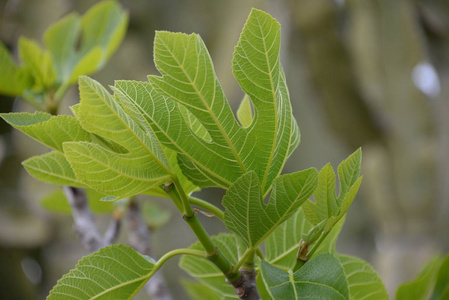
321 278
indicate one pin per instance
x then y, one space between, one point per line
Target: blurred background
371 74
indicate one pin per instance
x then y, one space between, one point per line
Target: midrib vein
273 145
164 167
180 149
209 110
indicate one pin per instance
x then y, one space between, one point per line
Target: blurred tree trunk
363 78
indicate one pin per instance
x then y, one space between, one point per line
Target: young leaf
258 70
349 172
283 244
189 79
137 100
39 63
248 216
244 113
49 130
166 119
60 39
321 278
117 174
53 168
206 272
113 272
327 206
13 79
110 22
364 283
102 28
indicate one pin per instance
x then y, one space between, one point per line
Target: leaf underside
114 272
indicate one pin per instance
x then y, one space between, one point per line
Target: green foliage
251 219
188 79
363 281
323 278
114 272
175 134
208 273
45 73
283 244
14 79
102 29
432 282
328 209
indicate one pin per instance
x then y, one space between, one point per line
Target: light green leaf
245 113
162 115
327 206
87 64
49 130
321 278
283 244
113 272
110 22
39 63
257 68
247 215
53 168
102 29
144 166
60 39
198 291
56 202
349 196
421 287
188 79
349 172
441 290
329 243
13 79
364 283
206 272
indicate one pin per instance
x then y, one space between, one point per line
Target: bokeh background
371 74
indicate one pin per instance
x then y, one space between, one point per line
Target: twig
245 287
139 239
84 221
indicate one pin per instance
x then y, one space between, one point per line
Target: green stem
248 257
173 253
60 92
181 195
177 193
207 206
249 262
249 254
298 265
